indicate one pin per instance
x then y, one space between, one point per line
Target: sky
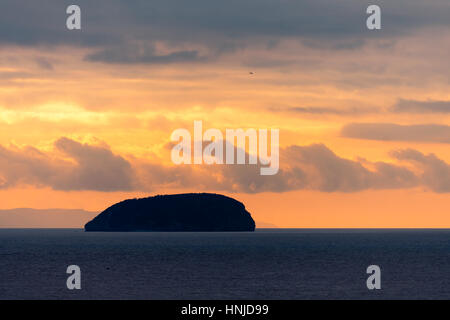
86 115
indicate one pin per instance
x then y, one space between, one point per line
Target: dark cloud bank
77 166
123 31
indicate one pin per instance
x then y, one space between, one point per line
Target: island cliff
181 212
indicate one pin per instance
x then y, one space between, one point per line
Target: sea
269 264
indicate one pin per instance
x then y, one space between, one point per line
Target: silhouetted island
174 213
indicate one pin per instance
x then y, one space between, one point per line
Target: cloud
111 26
396 132
414 106
325 171
44 63
28 166
96 168
80 167
325 110
313 167
435 172
76 166
148 56
15 75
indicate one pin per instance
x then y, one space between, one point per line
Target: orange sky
64 117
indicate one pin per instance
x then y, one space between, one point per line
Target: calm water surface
267 264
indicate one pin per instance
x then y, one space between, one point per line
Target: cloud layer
421 107
396 132
74 166
127 32
77 166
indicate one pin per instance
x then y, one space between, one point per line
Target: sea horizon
256 229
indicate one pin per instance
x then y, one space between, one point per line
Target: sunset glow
364 117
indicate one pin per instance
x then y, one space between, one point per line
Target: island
190 212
